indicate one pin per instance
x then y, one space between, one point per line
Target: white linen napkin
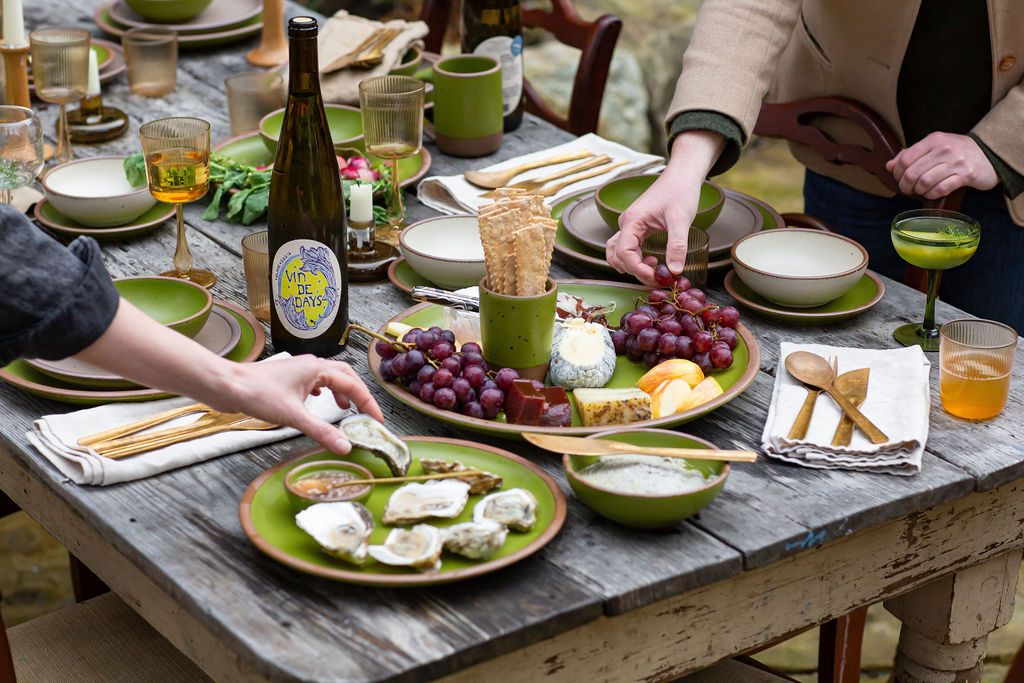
898 402
56 437
455 195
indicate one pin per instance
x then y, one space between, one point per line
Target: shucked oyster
475 540
515 508
418 547
478 483
341 529
365 432
414 502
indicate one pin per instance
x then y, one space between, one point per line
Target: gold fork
139 425
350 57
204 421
245 424
376 55
557 187
541 182
803 419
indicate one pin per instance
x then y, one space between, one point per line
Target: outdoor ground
34 567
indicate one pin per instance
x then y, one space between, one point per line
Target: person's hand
670 204
941 164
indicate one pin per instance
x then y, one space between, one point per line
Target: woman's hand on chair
940 164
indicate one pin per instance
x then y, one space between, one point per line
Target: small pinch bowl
410 63
641 511
797 267
168 11
300 501
446 250
615 196
345 123
180 305
95 192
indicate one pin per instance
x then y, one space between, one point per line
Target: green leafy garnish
956 230
135 170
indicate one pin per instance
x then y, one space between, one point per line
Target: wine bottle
306 214
494 28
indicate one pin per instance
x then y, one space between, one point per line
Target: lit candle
93 88
14 24
360 198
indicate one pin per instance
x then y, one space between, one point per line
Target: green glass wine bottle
306 214
494 28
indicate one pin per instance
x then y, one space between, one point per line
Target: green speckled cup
516 331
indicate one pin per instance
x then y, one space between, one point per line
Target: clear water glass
256 261
60 72
251 96
21 149
152 57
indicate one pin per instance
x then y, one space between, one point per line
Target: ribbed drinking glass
975 365
21 149
60 70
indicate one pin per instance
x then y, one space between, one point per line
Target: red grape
710 316
619 341
682 283
721 356
427 392
505 377
475 375
663 276
684 347
400 364
656 296
448 336
647 340
473 409
426 340
441 350
445 399
414 387
462 389
435 330
385 350
632 350
425 374
650 359
729 336
690 304
667 310
698 295
491 400
690 325
489 384
648 310
415 360
411 335
385 370
703 361
443 378
670 326
703 341
728 316
667 344
639 322
452 364
470 347
472 358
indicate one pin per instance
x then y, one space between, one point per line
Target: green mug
516 331
467 105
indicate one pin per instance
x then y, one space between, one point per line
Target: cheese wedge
598 407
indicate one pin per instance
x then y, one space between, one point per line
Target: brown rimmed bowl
301 501
95 192
446 250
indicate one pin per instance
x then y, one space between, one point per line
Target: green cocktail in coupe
935 240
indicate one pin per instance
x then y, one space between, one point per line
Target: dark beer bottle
306 214
494 28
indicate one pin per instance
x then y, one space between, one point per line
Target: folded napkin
56 437
898 402
343 33
454 194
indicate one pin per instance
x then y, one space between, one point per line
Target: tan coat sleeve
1002 128
732 58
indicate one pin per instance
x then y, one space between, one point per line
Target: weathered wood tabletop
781 549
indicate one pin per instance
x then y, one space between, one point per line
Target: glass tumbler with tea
975 365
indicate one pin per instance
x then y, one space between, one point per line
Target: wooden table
783 547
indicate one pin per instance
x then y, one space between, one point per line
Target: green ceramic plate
404 277
22 375
345 123
269 521
746 360
52 219
249 149
616 195
864 295
245 29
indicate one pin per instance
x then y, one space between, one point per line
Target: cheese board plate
733 380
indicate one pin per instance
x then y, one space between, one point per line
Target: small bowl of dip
642 491
321 481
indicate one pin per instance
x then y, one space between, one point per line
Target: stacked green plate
224 21
47 215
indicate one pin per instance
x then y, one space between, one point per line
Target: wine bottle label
306 284
509 53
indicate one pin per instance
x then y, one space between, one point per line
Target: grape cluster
433 370
677 321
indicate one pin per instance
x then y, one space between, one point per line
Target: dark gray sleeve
719 123
54 300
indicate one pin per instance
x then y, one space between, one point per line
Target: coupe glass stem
930 330
182 255
5 197
63 152
396 210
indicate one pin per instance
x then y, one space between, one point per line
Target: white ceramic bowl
446 250
799 268
95 192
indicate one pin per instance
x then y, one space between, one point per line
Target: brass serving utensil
854 386
207 420
376 54
246 424
352 55
810 368
574 445
492 180
414 477
541 182
557 187
139 425
803 418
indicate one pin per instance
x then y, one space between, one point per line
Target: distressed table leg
946 622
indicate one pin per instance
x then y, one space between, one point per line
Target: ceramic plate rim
803 315
179 28
404 580
106 23
127 230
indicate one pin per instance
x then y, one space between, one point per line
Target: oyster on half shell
419 547
478 483
475 540
515 508
341 529
445 498
363 431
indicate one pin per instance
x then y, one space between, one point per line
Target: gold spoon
803 419
558 187
574 445
812 369
854 385
530 185
246 424
492 180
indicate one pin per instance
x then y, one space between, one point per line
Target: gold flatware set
494 180
368 53
849 390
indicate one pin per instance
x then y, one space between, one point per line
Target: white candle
14 24
360 202
93 88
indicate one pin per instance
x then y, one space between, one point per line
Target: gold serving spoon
812 369
557 187
138 426
531 185
574 445
854 385
245 424
803 418
414 477
492 180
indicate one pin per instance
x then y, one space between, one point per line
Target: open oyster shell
515 508
341 529
445 498
365 432
478 483
475 540
419 547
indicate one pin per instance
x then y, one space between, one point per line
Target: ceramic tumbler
516 331
467 105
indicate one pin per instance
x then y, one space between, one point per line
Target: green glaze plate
249 149
23 376
250 27
344 122
404 277
103 55
615 196
49 217
746 360
864 295
269 520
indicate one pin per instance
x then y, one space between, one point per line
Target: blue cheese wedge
582 355
599 407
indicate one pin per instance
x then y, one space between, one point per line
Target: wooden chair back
6 664
595 39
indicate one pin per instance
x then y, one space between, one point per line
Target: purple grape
690 325
400 365
619 341
414 388
667 310
427 393
721 356
702 342
385 350
462 389
506 376
475 375
690 304
703 361
624 320
711 316
425 374
426 341
648 310
472 358
670 326
443 378
415 360
445 399
386 372
728 316
435 330
442 350
639 321
491 400
663 276
650 359
633 351
452 364
656 296
411 335
647 340
698 295
667 344
729 336
684 348
488 384
473 409
682 283
448 336
471 347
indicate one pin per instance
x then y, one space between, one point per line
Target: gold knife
574 445
854 386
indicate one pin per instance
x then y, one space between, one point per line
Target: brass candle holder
16 74
273 48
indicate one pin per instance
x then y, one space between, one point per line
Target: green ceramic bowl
643 511
410 63
345 122
301 501
168 11
615 196
181 305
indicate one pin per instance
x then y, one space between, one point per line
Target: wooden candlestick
273 49
16 74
